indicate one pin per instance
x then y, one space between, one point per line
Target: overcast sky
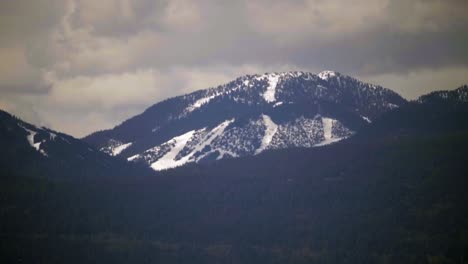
78 66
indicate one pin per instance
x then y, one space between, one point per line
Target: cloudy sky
83 65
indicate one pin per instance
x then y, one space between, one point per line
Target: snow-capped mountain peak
248 116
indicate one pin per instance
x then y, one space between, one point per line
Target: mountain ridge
32 150
297 106
458 95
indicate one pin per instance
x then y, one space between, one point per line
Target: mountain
436 113
31 150
459 95
247 116
393 193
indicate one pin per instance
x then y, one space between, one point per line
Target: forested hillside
395 198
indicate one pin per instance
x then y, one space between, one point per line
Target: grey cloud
382 52
118 18
56 50
26 88
401 38
23 21
25 31
427 15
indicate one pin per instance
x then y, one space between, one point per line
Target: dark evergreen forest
395 193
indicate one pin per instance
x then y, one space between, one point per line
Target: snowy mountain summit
248 116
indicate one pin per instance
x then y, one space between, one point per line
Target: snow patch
270 131
223 153
328 142
325 75
37 145
179 143
217 131
327 132
30 139
116 151
52 136
366 119
199 103
132 158
277 104
327 128
169 159
392 106
270 92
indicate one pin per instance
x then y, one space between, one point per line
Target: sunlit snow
366 119
270 130
325 75
30 138
134 157
117 150
217 131
277 104
169 159
199 103
270 92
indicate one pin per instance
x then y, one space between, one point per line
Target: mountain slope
31 150
436 113
247 116
394 193
459 95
